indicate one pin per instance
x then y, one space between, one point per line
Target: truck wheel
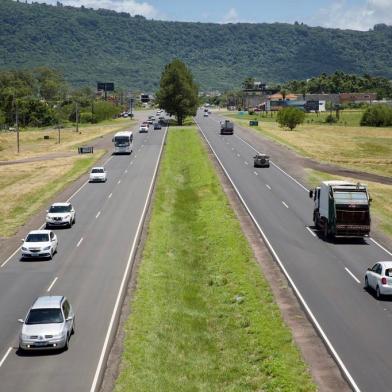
326 233
378 293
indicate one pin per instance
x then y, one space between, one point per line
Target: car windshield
37 238
122 140
350 197
44 316
59 209
97 171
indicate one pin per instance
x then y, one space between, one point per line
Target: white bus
123 142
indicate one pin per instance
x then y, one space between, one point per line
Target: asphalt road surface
328 276
90 268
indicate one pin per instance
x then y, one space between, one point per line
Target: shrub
290 117
377 116
330 119
85 118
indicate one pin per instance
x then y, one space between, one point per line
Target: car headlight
24 248
46 248
67 216
23 336
59 336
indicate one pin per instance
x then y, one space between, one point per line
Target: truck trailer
341 209
227 127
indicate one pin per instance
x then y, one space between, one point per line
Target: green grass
203 316
381 207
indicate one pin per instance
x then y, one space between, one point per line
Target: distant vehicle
379 278
49 324
341 209
143 128
123 142
157 126
60 214
205 114
261 160
125 115
98 174
39 244
226 127
149 121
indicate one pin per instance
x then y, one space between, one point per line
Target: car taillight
384 280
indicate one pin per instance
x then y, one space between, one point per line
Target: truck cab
227 127
341 209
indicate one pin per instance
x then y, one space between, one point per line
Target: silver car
49 324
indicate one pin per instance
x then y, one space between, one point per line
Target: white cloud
231 16
133 7
360 17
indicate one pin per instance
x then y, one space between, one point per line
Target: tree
290 117
248 83
178 94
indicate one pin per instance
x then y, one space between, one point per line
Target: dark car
157 126
261 160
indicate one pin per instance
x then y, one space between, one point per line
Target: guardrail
86 150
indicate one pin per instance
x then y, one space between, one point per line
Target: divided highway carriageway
91 268
327 276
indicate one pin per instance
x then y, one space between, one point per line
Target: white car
379 278
98 174
205 114
39 243
143 128
60 214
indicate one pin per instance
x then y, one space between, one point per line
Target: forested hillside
89 45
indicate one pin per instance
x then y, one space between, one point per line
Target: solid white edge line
5 356
52 284
110 195
380 246
311 231
97 216
285 204
352 275
268 186
80 241
119 182
288 277
125 276
288 175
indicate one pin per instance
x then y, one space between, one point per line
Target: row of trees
41 97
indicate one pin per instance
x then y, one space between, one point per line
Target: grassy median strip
203 317
24 188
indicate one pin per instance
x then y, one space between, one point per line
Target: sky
344 14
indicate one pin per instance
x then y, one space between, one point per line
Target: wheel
366 283
378 293
74 220
73 328
51 255
325 231
66 346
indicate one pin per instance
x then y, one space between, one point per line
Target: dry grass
361 148
32 142
24 188
381 209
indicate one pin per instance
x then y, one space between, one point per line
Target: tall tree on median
178 93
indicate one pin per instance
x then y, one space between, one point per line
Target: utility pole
77 117
58 130
17 125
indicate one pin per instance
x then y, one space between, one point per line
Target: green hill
90 45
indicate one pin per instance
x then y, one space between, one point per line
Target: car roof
48 301
39 231
386 264
97 167
61 204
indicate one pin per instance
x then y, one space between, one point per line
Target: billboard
103 86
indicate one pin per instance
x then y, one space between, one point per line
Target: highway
91 268
327 276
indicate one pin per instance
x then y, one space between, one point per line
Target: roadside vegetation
381 208
366 149
203 316
24 188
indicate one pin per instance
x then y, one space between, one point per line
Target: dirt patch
323 368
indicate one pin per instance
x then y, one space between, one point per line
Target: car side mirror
20 321
311 193
69 318
47 210
369 269
54 239
22 240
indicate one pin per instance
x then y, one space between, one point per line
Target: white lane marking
311 231
238 155
288 175
232 148
288 277
131 163
52 284
97 216
5 356
255 172
110 195
135 156
9 258
285 204
380 246
268 186
77 191
107 160
80 241
126 171
119 182
124 279
246 163
352 275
